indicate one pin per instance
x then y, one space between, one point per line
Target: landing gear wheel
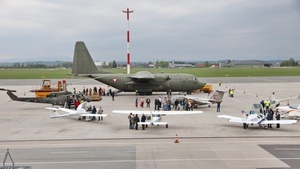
245 126
167 126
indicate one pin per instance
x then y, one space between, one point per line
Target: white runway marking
69 152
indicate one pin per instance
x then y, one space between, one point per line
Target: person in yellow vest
231 93
267 105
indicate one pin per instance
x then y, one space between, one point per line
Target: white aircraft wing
294 113
279 121
156 112
93 115
200 101
54 113
69 111
231 118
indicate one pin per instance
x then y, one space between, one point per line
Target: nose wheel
167 126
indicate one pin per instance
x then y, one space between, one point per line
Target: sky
164 30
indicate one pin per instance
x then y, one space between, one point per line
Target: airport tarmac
205 141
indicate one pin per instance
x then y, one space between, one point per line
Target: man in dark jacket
137 120
143 119
277 116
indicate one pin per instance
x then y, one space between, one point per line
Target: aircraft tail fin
83 62
217 96
10 94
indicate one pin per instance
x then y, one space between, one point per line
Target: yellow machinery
207 88
47 88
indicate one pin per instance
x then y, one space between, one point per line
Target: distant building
176 65
247 63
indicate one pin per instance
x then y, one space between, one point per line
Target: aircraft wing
295 113
153 123
199 101
69 111
54 113
232 118
279 121
156 112
93 115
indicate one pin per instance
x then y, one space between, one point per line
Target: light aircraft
55 98
81 111
251 119
156 116
291 110
200 101
276 102
142 82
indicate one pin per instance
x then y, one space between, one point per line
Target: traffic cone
176 139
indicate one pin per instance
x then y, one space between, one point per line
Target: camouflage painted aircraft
142 82
55 98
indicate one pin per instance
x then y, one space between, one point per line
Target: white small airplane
291 110
274 103
81 112
255 119
200 101
156 116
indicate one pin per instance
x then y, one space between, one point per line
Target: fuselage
161 82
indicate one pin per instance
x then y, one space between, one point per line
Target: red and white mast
128 40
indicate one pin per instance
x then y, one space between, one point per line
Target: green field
199 72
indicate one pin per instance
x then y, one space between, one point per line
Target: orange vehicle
47 88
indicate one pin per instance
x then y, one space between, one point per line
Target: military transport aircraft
201 101
142 82
156 116
289 111
81 111
255 119
55 98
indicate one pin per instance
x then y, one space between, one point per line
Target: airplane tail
217 96
83 62
10 94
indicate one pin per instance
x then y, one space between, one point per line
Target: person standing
113 96
277 116
143 119
137 120
136 102
220 82
231 93
69 100
142 102
100 111
269 117
148 102
156 104
267 105
94 110
130 121
76 103
218 106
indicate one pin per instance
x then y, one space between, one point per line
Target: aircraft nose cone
202 84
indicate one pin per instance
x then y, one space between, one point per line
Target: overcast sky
164 30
